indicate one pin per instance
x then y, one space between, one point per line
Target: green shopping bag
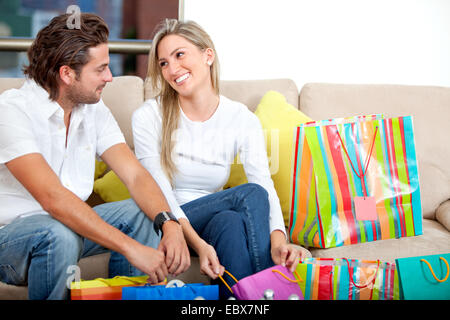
424 277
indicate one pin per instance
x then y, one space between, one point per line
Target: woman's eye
179 54
162 64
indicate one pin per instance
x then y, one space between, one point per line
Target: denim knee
226 224
257 191
65 243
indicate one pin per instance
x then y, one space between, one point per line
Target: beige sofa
430 107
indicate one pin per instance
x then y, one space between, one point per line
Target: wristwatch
162 218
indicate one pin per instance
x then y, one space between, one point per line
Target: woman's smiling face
183 65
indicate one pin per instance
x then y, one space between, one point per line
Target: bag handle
368 282
275 271
432 272
366 165
225 283
351 279
289 279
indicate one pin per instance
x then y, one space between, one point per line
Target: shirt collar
48 107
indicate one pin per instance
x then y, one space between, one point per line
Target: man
50 131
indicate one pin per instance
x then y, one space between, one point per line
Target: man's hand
149 197
173 245
149 261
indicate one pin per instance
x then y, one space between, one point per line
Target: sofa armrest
443 214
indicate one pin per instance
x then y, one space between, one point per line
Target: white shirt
31 123
203 153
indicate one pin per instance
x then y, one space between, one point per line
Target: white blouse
203 153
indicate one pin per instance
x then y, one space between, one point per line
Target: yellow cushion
276 114
110 188
100 168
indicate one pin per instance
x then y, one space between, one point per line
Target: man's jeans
235 222
38 250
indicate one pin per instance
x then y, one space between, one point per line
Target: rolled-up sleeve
16 133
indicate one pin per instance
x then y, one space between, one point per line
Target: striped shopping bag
354 180
346 279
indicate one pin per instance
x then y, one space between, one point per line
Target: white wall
339 41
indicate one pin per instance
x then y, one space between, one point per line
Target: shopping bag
277 281
348 279
174 290
354 181
425 277
104 289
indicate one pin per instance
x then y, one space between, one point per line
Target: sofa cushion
278 119
443 214
10 83
110 188
122 96
429 107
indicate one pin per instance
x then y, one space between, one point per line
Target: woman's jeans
43 253
235 222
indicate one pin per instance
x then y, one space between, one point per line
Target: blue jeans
235 222
37 250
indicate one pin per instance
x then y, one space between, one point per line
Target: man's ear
67 75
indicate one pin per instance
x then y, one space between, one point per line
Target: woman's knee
256 192
224 224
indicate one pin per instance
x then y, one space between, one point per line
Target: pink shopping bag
283 283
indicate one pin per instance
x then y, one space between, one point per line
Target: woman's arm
209 262
253 155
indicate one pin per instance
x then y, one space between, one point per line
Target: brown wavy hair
56 45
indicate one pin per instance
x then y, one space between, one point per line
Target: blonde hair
165 94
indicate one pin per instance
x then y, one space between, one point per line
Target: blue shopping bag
174 290
424 277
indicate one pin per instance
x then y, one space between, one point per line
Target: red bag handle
360 174
351 278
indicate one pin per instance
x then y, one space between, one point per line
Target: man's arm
149 197
33 172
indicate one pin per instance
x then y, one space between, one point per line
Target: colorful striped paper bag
354 180
105 289
346 279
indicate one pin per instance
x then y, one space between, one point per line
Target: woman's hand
284 253
209 262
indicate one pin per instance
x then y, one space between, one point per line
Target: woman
187 137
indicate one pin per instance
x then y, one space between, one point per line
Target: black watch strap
161 218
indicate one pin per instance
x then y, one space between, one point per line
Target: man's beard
77 96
